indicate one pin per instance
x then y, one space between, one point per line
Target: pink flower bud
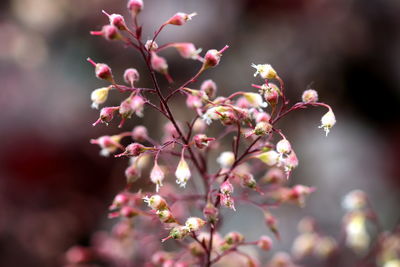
274 176
116 20
157 176
108 144
271 94
160 257
120 200
125 108
140 134
180 18
233 238
193 102
138 105
226 188
247 180
309 96
188 50
265 243
102 71
262 116
210 212
160 65
78 255
135 6
271 223
212 58
106 115
133 150
201 140
132 174
131 76
128 212
209 87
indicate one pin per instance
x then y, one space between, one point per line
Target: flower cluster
250 121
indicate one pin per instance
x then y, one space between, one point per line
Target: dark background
55 188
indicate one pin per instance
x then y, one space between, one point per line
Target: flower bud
128 212
140 134
298 193
194 223
106 115
210 212
158 63
160 257
290 162
226 159
99 96
133 150
247 180
131 76
102 71
108 144
327 121
262 128
199 126
271 93
274 176
156 202
180 18
209 87
151 45
116 20
182 172
188 50
212 58
193 102
265 243
77 255
265 70
309 96
201 140
178 232
120 200
283 147
271 223
233 238
137 105
157 176
135 6
166 216
109 32
125 108
132 174
255 100
262 116
270 157
226 188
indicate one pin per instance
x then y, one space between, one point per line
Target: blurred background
55 188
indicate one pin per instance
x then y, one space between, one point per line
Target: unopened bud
180 18
274 176
137 104
140 133
271 223
262 116
125 108
209 87
157 176
233 238
120 200
188 50
212 58
133 150
135 6
165 216
265 243
131 76
116 20
158 63
102 71
132 174
128 212
201 140
178 232
227 201
210 212
247 180
106 115
309 96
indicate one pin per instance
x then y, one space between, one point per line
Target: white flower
99 96
265 70
327 121
283 146
212 114
182 172
194 223
226 159
255 100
